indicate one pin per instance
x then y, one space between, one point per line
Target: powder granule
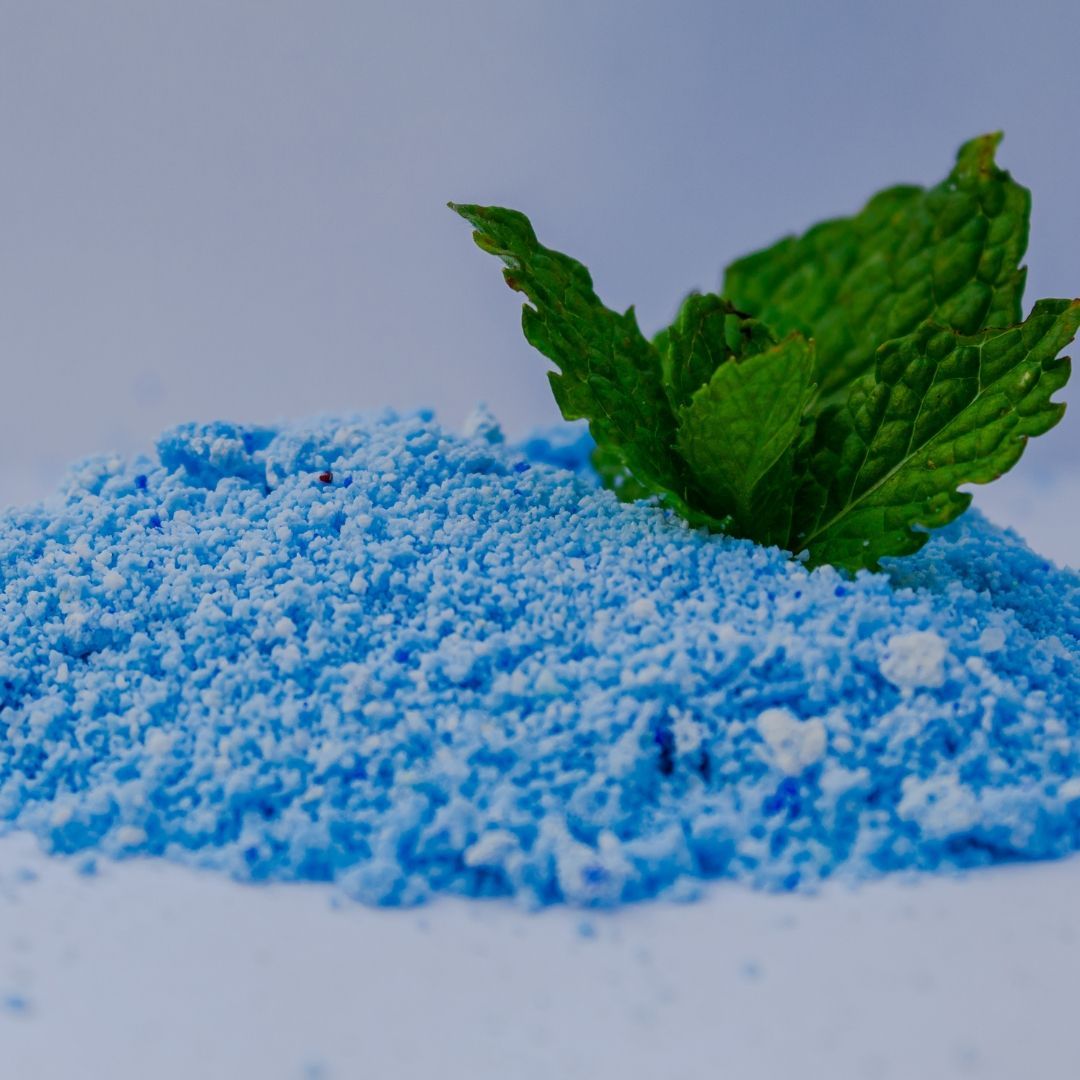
460 667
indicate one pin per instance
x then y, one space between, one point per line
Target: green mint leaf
609 373
707 332
941 410
950 253
739 431
612 470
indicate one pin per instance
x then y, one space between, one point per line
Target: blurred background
237 209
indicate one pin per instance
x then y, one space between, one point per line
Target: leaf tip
976 156
478 216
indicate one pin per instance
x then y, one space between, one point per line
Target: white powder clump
547 685
481 424
112 580
914 660
159 742
793 744
992 639
130 836
491 849
1070 789
941 805
643 607
688 733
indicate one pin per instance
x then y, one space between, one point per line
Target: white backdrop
236 209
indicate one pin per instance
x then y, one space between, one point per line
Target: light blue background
236 209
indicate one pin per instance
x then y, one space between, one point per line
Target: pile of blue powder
410 662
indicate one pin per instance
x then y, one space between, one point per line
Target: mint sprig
842 389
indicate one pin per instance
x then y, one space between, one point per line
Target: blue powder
460 667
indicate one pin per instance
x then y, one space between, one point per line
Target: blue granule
442 672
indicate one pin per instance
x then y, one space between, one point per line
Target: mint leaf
612 470
707 331
950 254
609 373
941 410
738 434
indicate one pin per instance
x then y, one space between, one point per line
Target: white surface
150 970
